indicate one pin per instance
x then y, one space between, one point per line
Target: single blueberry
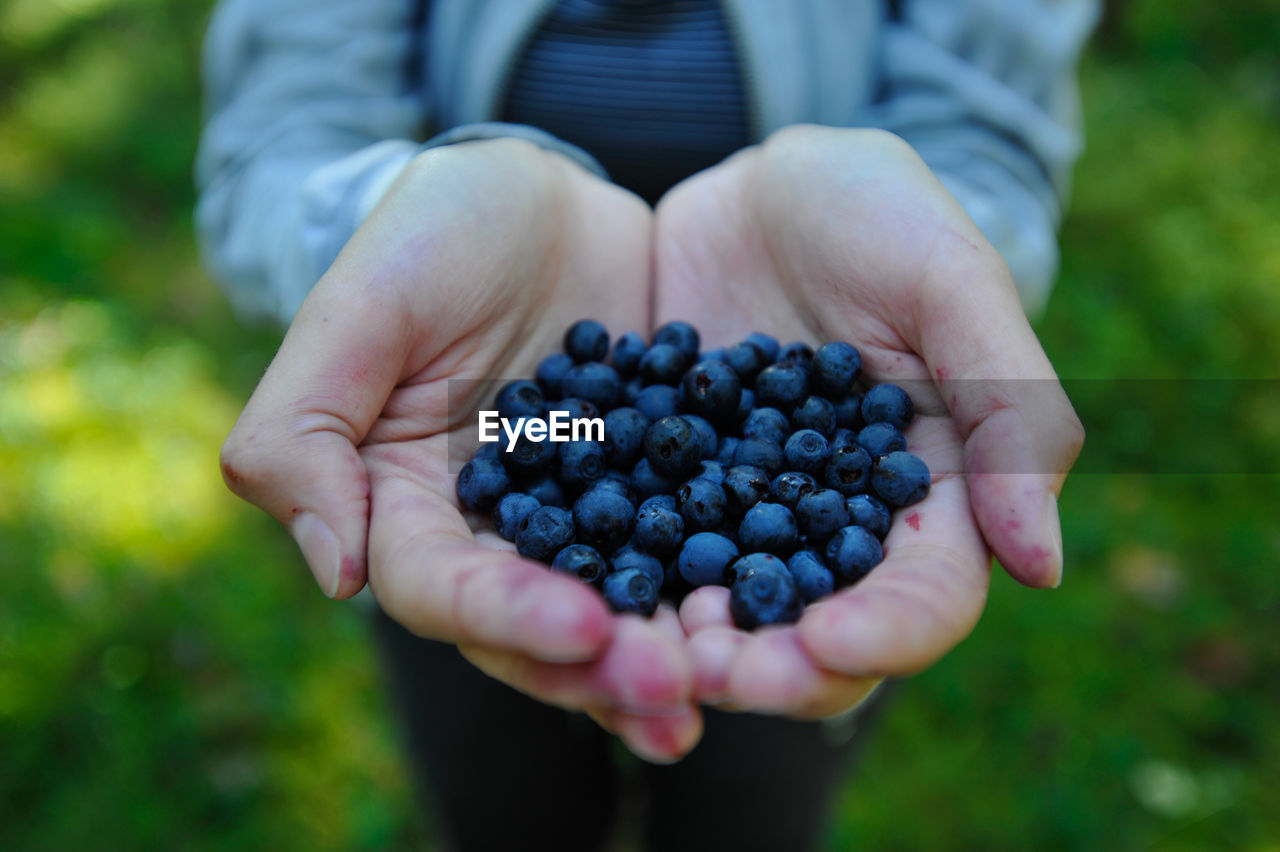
679 334
763 592
768 345
708 439
619 483
624 430
796 352
630 557
631 590
851 554
581 463
712 390
769 528
746 359
900 479
662 364
836 366
820 513
661 501
627 352
814 580
521 398
574 408
603 519
491 450
544 488
888 403
815 413
658 401
783 386
766 423
582 562
849 470
648 483
757 452
672 448
513 508
659 529
544 533
711 355
704 558
711 469
481 484
807 451
551 372
528 457
631 390
586 340
725 449
880 439
849 412
869 513
702 504
744 486
787 488
746 405
598 383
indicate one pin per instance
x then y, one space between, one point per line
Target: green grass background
171 679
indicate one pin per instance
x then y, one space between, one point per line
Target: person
431 192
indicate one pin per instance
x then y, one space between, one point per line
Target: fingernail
1054 526
320 548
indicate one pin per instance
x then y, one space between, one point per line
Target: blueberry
586 340
757 452
659 529
768 345
616 482
513 508
746 359
679 334
528 457
658 401
662 364
787 488
603 519
595 382
551 371
814 580
712 390
702 504
880 439
521 398
870 514
900 479
481 484
843 438
815 413
581 463
631 390
624 430
631 590
712 470
630 557
725 449
849 412
583 562
746 405
575 408
888 403
783 386
763 592
544 533
796 352
820 513
648 483
671 447
766 423
849 470
851 554
710 355
661 501
744 486
545 489
704 558
836 366
770 528
627 352
708 440
807 451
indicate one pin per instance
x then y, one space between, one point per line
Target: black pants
501 771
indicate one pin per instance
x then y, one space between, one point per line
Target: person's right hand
471 267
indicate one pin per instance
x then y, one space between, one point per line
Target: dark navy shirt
651 88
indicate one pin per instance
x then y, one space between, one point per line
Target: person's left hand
836 234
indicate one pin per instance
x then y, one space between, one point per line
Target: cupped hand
840 234
470 268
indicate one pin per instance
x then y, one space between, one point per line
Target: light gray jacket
312 113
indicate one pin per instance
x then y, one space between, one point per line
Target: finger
711 653
644 671
656 739
705 606
1021 434
923 599
773 673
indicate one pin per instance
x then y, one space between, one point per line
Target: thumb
292 452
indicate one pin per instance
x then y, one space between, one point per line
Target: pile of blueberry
768 469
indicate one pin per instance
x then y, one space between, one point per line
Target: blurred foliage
169 678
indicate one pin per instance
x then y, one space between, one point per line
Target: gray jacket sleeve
986 92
